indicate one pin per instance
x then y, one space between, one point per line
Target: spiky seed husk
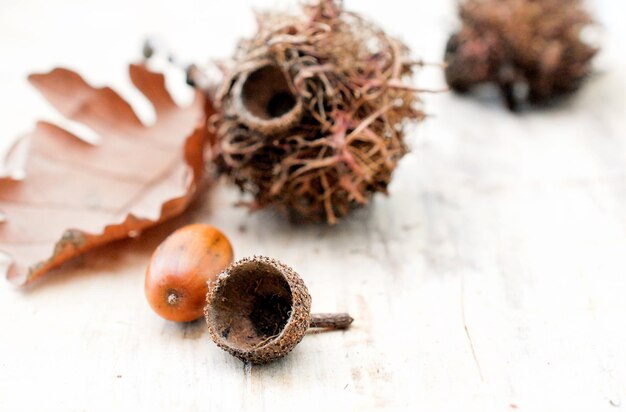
258 310
313 112
536 43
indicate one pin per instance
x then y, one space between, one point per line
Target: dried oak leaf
77 196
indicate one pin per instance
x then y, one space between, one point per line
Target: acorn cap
258 309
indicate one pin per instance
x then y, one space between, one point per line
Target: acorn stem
330 320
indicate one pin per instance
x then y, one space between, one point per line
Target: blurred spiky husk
349 76
533 42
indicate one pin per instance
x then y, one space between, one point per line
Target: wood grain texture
492 278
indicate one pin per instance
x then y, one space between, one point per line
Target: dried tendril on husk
313 112
529 43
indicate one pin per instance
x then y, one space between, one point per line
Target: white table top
492 278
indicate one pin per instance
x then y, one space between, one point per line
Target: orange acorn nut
180 269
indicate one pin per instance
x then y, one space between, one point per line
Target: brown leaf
76 196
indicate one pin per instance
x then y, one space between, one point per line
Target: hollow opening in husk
252 306
266 94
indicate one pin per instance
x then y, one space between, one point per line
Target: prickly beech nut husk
176 279
532 50
313 112
259 310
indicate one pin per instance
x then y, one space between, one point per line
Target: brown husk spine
536 43
341 134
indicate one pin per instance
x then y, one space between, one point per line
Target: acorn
258 310
181 268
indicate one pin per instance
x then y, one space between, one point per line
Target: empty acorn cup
258 310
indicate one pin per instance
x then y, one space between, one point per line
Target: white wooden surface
492 278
